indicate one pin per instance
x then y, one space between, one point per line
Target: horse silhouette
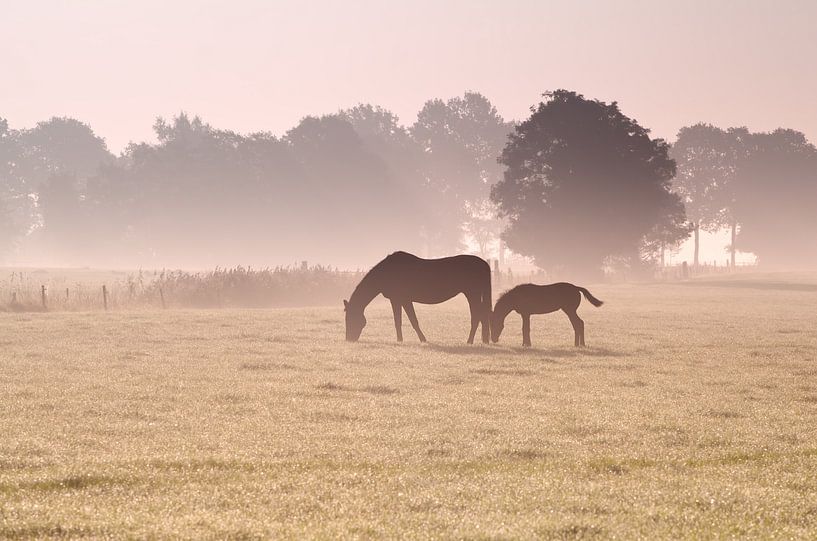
527 299
404 278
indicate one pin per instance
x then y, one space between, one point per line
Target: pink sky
262 65
257 65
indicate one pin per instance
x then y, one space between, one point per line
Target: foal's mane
507 293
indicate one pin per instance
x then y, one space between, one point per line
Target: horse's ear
345 304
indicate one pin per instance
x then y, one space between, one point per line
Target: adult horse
404 279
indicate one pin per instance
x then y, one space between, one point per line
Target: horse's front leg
526 330
397 309
409 307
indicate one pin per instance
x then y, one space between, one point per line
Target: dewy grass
690 415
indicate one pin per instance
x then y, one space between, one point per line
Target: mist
458 269
214 143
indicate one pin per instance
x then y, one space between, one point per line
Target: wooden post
13 297
105 297
162 296
42 294
66 294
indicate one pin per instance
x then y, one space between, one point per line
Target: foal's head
497 325
355 321
501 310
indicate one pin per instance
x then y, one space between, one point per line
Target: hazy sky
252 65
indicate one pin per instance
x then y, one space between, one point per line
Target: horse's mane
371 273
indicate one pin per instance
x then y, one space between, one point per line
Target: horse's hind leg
476 310
397 309
486 324
409 307
578 327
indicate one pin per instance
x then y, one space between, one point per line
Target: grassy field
692 414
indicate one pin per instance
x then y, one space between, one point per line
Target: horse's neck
365 292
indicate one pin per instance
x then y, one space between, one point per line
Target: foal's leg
578 327
397 309
409 307
526 330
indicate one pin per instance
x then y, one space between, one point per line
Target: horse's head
355 321
497 325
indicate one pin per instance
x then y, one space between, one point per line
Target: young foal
529 299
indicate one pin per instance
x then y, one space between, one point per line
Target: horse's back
465 259
433 280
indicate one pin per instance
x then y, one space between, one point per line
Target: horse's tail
487 302
487 307
593 300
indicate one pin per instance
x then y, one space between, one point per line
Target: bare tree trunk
732 247
697 244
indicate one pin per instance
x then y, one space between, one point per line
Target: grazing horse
529 299
405 278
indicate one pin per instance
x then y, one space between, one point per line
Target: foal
529 299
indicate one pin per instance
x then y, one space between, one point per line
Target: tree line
577 186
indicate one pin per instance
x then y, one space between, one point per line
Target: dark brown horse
529 299
405 278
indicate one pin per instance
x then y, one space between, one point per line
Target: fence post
42 294
162 296
105 297
66 295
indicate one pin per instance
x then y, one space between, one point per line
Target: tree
63 147
15 205
481 225
60 155
706 159
584 183
776 198
356 207
668 234
461 139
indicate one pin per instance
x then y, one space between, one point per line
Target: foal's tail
593 300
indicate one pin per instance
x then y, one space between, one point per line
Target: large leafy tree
583 182
357 206
776 198
61 154
706 158
63 146
461 139
15 204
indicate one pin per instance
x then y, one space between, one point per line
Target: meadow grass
692 413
